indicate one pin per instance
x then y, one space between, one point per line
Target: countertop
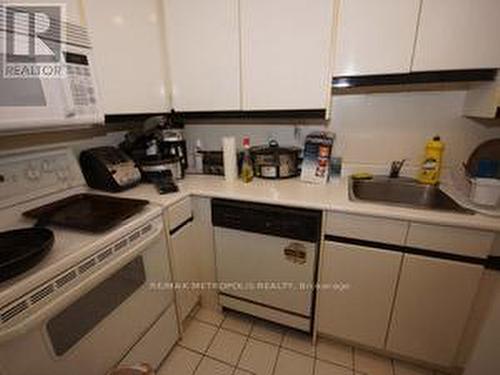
333 196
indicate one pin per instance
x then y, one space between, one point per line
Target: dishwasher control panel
294 223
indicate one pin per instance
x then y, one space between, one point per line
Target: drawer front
179 213
468 242
156 343
367 228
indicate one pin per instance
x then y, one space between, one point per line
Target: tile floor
229 343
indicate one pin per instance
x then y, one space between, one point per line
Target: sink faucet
396 167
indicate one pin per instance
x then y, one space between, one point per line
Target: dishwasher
266 260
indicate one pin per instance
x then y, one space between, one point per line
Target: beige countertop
293 192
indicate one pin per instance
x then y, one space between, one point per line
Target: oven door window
78 319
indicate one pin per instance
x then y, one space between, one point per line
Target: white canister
485 191
229 157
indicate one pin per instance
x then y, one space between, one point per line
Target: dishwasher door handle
296 253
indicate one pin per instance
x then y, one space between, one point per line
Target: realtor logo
32 40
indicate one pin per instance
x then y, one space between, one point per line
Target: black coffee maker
171 143
159 150
165 132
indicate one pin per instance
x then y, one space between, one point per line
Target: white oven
34 102
96 313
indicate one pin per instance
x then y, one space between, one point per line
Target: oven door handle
38 317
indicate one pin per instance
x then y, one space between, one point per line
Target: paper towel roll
230 163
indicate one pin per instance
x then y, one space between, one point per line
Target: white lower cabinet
362 312
184 242
185 268
432 305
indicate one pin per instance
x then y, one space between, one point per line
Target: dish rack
460 188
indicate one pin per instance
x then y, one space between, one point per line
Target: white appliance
96 300
41 102
266 260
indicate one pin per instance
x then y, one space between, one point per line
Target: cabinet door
432 305
286 50
360 313
458 34
127 42
203 45
185 267
375 37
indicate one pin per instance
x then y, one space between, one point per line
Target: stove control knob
32 174
62 174
47 166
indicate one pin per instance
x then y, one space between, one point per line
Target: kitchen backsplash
373 128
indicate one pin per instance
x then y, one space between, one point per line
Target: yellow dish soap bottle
430 169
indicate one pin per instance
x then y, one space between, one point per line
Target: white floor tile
291 363
198 336
237 322
209 366
372 364
325 368
267 331
404 368
259 357
227 346
210 316
335 352
298 341
180 362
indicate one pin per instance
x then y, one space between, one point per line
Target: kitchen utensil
150 166
22 249
88 212
109 169
274 162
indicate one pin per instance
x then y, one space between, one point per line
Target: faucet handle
396 167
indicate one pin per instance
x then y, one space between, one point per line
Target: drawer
462 241
154 346
367 228
179 213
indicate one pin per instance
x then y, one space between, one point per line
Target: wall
375 128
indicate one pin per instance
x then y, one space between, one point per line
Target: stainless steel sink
403 191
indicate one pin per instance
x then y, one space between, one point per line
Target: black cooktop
88 212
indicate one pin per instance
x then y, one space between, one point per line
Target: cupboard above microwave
58 90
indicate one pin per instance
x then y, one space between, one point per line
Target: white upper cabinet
286 53
458 34
203 45
375 37
127 37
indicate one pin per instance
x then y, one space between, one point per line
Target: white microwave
43 102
